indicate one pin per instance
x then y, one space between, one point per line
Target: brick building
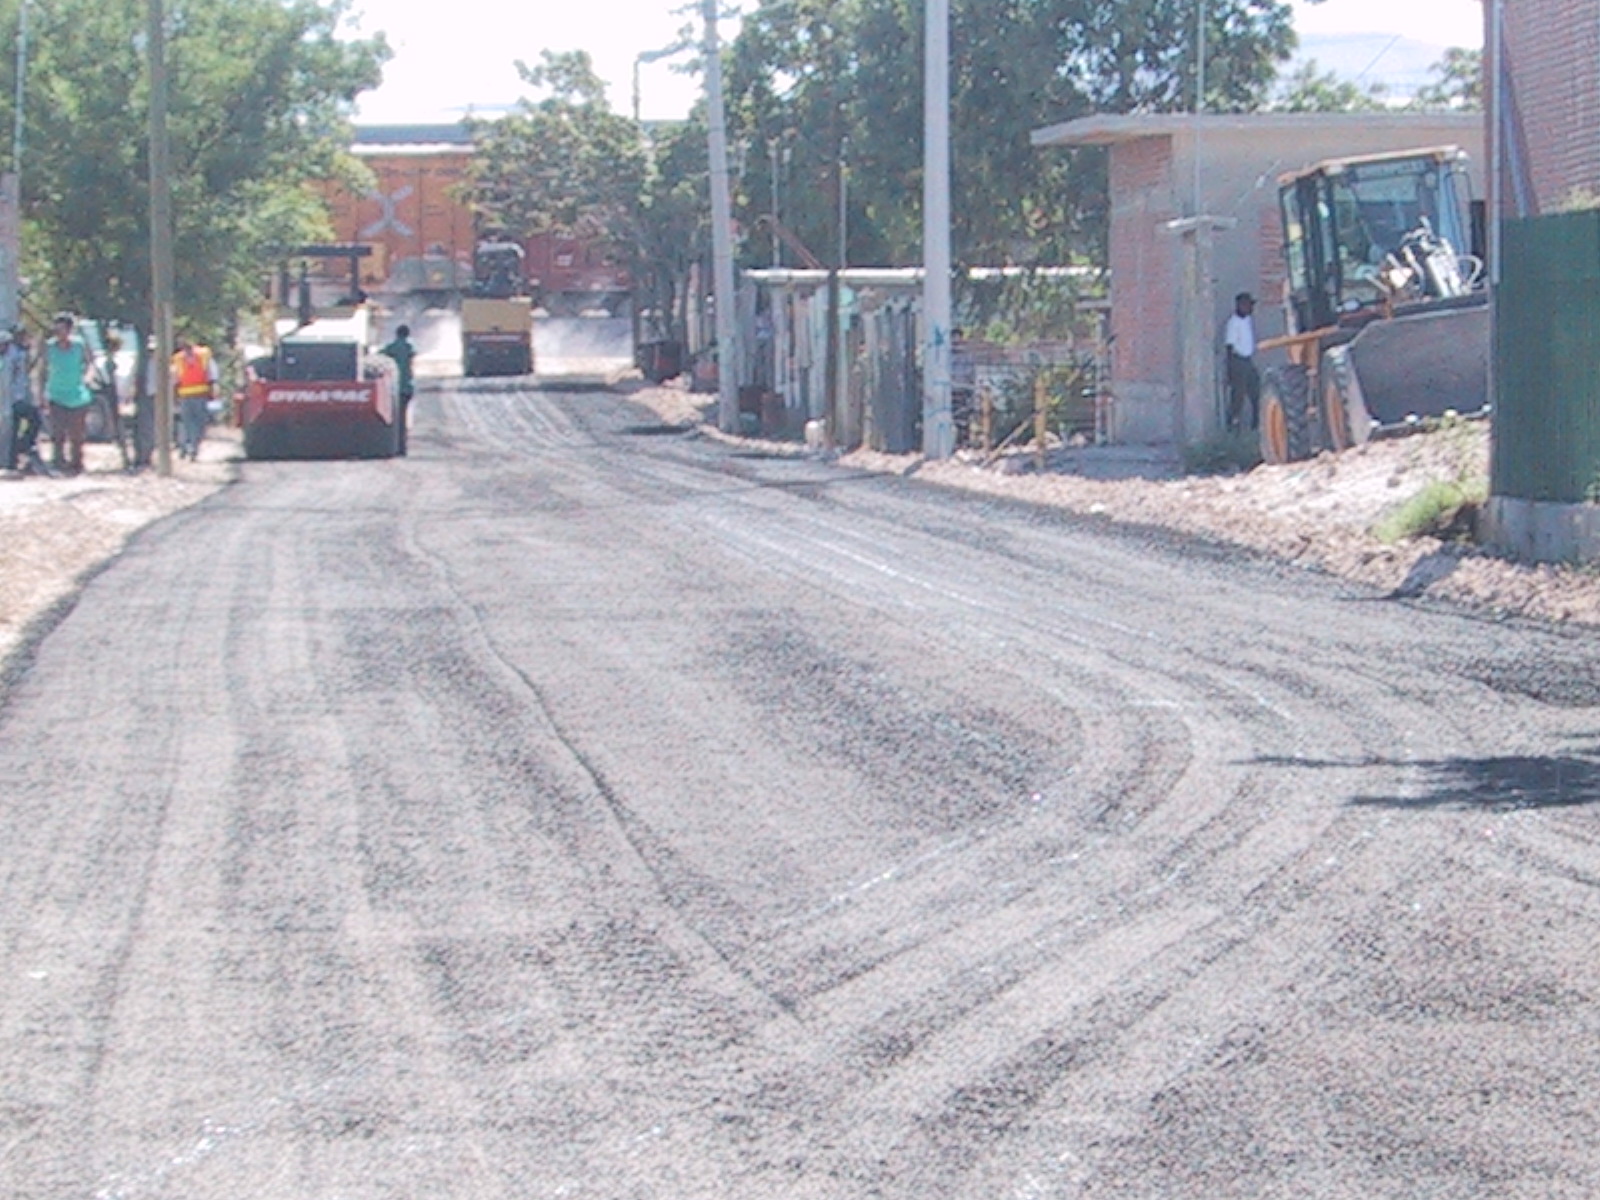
1547 93
1543 92
1194 219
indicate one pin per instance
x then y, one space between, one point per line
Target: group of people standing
68 380
64 367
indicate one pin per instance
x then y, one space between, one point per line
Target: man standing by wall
194 379
1244 381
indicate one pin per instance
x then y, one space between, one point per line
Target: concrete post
1197 334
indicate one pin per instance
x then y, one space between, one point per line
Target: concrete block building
1194 220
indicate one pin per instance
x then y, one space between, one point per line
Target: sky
458 57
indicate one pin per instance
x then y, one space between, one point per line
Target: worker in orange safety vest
194 379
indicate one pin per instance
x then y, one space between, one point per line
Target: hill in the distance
1401 64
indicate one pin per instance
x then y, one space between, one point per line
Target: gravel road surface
578 808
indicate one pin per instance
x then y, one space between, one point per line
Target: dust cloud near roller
435 332
568 351
582 350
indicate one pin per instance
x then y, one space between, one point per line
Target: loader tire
1286 416
1344 408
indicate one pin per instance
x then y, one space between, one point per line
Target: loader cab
1350 225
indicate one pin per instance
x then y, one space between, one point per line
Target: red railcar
571 275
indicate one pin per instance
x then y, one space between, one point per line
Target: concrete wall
1153 183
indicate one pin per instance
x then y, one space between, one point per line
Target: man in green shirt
403 352
66 390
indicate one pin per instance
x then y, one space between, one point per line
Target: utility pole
1495 77
161 261
11 191
721 231
938 429
844 203
772 165
18 123
1199 95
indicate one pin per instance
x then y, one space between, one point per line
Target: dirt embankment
55 531
1320 514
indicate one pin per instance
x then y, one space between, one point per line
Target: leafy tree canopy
260 97
841 80
815 83
1307 89
561 163
1457 84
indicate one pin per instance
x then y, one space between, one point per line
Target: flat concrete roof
1109 129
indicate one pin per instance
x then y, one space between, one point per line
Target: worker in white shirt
1244 381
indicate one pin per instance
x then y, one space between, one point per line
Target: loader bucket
1424 364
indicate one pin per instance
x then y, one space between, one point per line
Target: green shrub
1446 510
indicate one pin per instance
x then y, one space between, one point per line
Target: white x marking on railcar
390 220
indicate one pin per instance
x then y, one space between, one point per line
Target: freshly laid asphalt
582 808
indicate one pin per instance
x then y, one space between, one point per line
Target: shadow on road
1503 783
1425 572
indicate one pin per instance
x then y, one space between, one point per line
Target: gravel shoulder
1318 514
55 533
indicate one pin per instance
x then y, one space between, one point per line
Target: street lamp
650 56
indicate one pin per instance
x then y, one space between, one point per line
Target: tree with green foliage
673 229
841 81
1457 85
261 93
565 163
830 92
1309 90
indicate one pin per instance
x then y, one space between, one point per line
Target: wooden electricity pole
938 429
161 260
721 230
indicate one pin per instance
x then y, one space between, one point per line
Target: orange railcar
421 232
423 235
